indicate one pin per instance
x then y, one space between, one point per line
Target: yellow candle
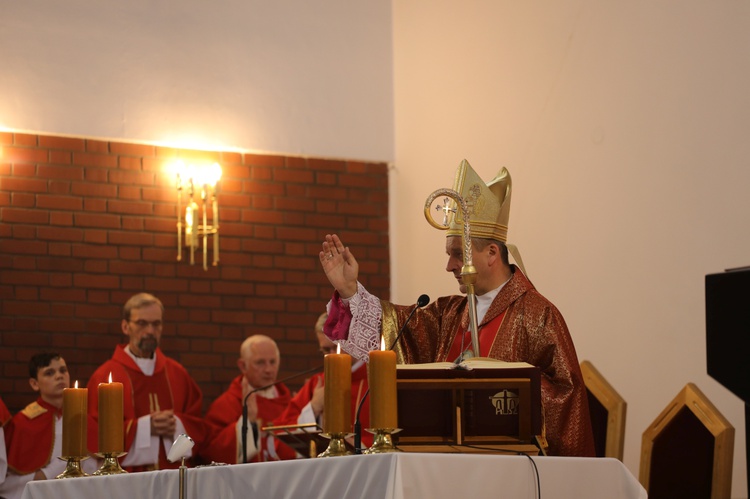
110 417
381 371
337 370
75 402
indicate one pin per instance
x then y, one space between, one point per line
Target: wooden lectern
488 406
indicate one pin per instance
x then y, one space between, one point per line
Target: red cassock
222 419
30 437
304 396
170 387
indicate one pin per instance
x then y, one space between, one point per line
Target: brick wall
85 224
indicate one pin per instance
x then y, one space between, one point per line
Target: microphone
244 405
421 302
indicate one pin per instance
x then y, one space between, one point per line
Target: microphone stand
244 405
421 302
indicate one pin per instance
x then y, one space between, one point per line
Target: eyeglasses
143 324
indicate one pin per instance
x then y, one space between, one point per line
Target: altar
387 476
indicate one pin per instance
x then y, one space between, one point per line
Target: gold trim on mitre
488 204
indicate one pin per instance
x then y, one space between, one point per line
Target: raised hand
340 266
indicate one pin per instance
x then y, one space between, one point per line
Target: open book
467 364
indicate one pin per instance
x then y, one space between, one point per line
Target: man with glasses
161 399
307 406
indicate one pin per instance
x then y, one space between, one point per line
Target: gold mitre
488 205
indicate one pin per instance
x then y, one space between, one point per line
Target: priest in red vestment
266 399
516 323
34 435
307 405
161 400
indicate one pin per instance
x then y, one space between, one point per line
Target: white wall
292 77
624 126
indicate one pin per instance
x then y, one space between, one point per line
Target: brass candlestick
73 468
383 441
111 465
336 447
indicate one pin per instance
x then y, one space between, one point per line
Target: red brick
93 174
89 159
330 165
62 295
60 234
93 204
6 138
23 277
87 251
229 157
58 187
93 190
23 200
297 176
95 236
24 155
132 149
103 221
234 171
95 281
69 143
97 146
264 160
23 184
24 170
60 157
61 218
59 202
130 177
130 207
163 194
130 239
26 139
129 163
24 216
259 174
59 249
295 204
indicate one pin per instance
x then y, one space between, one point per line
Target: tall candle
337 370
111 438
381 371
75 402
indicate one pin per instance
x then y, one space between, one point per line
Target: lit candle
337 370
75 401
381 370
111 439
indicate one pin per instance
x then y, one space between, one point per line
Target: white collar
147 366
484 301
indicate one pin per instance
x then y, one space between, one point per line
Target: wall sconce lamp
195 179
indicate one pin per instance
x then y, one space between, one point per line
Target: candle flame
382 343
110 376
76 385
338 348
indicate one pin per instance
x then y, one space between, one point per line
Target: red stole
487 335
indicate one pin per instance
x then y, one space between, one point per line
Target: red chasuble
222 419
170 387
304 396
530 330
31 437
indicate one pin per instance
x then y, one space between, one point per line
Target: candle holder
73 468
383 441
336 447
111 465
